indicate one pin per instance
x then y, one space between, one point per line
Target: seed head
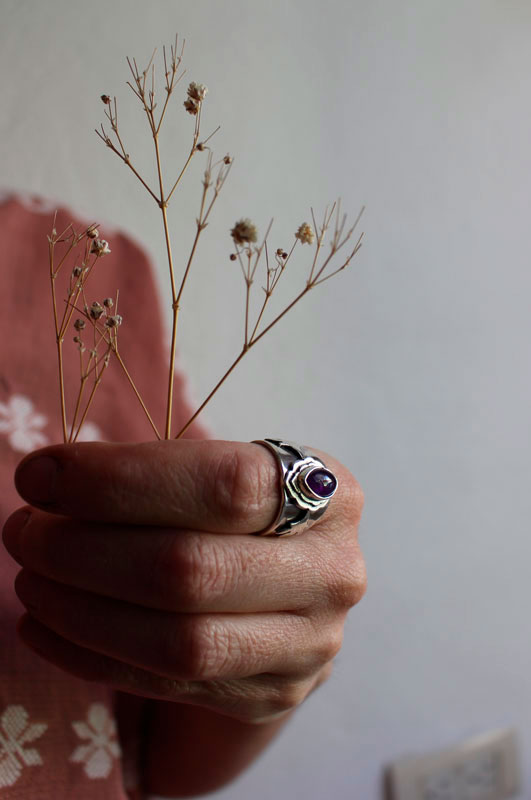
227 159
244 232
96 310
100 247
191 106
197 92
114 322
305 233
233 256
79 324
108 302
105 99
93 233
76 272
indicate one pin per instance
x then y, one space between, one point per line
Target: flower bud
114 322
100 247
96 310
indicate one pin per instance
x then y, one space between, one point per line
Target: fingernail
11 533
36 479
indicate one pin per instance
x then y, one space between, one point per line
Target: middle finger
179 571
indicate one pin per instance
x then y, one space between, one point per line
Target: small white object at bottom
483 768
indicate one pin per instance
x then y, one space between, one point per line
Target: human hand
137 573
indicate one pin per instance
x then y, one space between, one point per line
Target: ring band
306 487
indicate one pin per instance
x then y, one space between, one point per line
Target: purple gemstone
322 482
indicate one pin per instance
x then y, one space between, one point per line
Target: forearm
191 751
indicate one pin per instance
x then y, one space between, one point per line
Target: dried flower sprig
143 87
244 234
60 248
85 249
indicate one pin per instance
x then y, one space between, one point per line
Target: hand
137 573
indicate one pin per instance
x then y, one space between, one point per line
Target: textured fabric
58 735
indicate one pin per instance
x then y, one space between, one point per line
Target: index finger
214 486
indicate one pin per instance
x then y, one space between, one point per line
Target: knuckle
168 573
235 491
286 696
198 650
205 573
331 645
190 571
347 582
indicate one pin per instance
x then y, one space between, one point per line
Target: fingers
221 487
191 572
259 699
182 647
204 485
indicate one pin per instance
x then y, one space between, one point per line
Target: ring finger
196 647
187 571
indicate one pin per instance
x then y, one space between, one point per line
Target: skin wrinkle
229 596
274 694
242 489
163 572
177 476
211 572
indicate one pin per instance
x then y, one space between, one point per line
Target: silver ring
306 487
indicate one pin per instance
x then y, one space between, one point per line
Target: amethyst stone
321 482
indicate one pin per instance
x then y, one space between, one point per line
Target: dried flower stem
129 378
336 244
212 393
244 233
91 398
147 99
59 343
271 286
72 239
113 346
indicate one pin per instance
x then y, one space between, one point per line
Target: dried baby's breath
100 247
250 255
244 232
85 249
305 234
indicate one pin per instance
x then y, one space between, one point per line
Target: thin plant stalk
137 393
91 398
143 86
312 281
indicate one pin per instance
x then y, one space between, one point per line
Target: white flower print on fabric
90 432
98 754
15 732
22 424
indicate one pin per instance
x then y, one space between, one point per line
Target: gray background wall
413 368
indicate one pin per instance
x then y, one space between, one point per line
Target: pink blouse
58 734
